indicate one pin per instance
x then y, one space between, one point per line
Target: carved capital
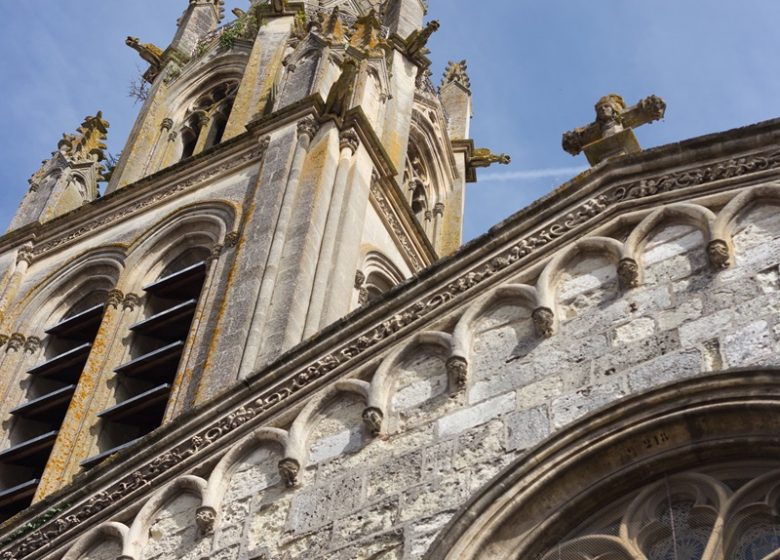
131 301
288 470
438 209
231 239
349 140
205 517
373 418
628 271
4 339
216 252
718 253
32 344
544 321
115 298
25 254
458 369
16 342
308 127
172 136
360 279
166 124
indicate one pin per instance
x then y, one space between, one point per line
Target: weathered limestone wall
443 435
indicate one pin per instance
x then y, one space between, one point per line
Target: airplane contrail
532 174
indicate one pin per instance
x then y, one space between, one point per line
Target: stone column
165 128
307 130
348 142
347 253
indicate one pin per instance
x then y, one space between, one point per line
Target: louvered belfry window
37 421
144 382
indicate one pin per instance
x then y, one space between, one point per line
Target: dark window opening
37 421
144 382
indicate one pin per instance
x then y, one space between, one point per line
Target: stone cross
612 133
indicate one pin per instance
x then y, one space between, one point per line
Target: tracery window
206 119
729 512
144 382
52 384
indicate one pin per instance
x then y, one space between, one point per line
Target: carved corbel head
458 370
205 517
288 470
373 418
628 271
544 321
719 254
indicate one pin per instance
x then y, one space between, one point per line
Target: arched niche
671 242
601 481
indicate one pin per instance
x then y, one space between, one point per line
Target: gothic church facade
264 341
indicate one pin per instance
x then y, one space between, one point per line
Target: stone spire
455 94
612 134
69 178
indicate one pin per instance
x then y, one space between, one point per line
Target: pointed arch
220 477
106 531
724 223
95 269
694 215
382 382
138 534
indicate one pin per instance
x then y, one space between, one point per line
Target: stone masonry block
526 428
667 368
747 345
318 506
474 416
565 410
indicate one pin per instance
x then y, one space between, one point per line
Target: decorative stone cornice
453 282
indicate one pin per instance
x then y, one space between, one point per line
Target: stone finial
87 144
367 35
611 134
456 72
332 26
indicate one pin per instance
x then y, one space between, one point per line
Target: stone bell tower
286 168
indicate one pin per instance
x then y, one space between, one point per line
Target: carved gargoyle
150 52
484 157
417 41
341 91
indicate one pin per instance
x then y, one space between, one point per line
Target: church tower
287 167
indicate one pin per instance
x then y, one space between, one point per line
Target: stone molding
453 287
397 230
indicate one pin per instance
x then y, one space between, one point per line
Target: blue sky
536 66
